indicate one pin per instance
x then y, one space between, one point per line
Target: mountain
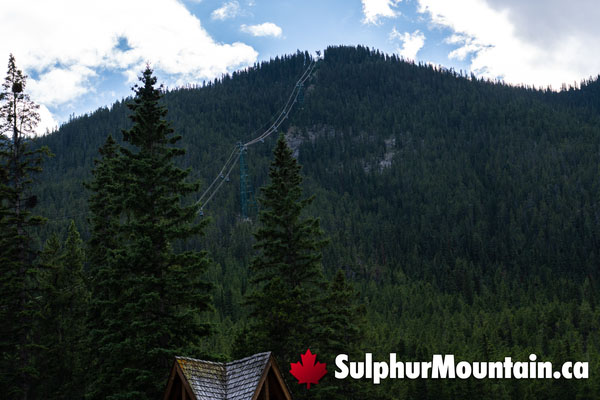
465 211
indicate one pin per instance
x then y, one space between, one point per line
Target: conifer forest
396 208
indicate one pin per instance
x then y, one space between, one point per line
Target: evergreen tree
155 293
62 324
18 119
103 188
342 327
102 275
287 271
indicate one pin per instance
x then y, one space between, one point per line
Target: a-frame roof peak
235 380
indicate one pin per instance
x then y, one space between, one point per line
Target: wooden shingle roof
236 380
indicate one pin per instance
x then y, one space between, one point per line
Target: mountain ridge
485 223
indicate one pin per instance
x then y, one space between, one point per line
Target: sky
82 54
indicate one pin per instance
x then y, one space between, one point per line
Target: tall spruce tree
104 212
342 329
102 275
18 161
287 271
61 325
155 294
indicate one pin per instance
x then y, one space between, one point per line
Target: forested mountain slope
466 212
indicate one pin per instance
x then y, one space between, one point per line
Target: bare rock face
295 137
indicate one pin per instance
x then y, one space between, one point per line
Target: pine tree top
20 114
149 126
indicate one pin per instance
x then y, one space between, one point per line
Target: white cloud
61 85
73 41
374 9
231 9
468 45
265 29
521 42
47 121
411 43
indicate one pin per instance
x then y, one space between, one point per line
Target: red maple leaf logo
309 371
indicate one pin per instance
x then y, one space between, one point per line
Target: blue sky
83 54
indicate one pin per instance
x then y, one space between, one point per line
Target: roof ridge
223 362
200 361
257 355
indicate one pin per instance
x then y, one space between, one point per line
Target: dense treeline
465 212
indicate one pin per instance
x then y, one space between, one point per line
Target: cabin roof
235 380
